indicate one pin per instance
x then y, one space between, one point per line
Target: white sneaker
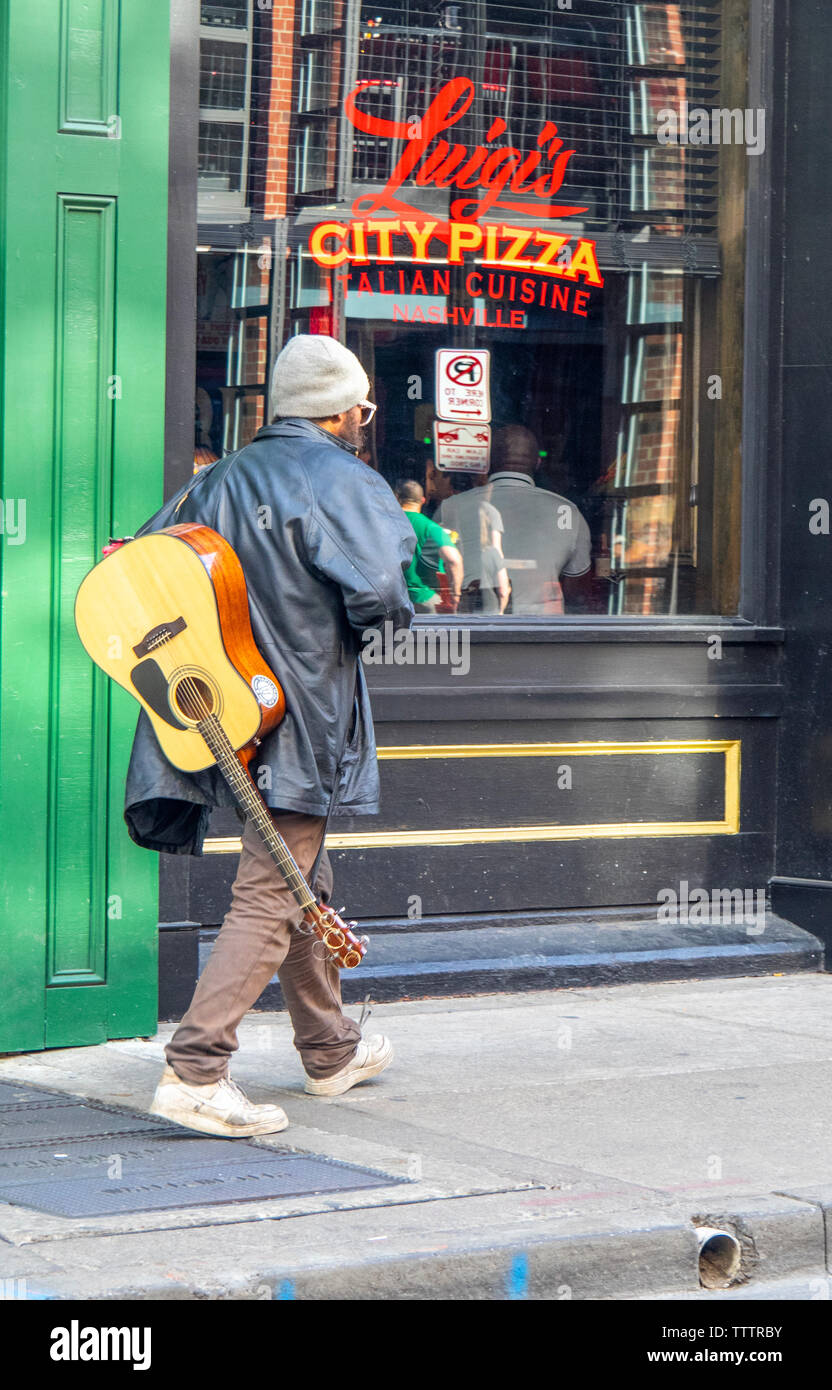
372 1056
218 1108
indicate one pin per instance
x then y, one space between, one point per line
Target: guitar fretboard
252 804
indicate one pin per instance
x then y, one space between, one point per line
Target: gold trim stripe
620 830
552 750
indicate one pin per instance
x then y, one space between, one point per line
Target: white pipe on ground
720 1257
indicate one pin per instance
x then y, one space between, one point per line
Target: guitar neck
254 808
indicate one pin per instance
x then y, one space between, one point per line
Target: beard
355 434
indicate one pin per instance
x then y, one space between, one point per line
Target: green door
84 140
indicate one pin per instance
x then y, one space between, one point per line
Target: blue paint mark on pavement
518 1278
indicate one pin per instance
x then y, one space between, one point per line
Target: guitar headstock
338 936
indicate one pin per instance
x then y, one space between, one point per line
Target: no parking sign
463 388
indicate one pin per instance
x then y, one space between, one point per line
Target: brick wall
280 106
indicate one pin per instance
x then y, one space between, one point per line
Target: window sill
600 627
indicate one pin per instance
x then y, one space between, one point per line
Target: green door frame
84 99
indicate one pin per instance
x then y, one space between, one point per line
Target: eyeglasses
368 410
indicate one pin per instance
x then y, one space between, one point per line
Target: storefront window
539 192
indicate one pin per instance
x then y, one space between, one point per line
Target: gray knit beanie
316 376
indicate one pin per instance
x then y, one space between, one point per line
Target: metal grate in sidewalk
78 1158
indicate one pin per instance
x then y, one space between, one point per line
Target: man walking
324 546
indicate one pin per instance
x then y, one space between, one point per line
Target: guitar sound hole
194 698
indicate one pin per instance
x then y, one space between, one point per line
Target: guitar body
167 617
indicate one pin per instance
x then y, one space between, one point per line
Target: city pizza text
333 244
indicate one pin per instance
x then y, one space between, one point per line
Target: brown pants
257 938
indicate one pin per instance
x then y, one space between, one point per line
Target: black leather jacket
324 545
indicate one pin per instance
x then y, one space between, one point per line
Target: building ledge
464 956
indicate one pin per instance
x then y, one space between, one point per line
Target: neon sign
361 251
455 166
332 244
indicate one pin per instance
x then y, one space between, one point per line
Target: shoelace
235 1090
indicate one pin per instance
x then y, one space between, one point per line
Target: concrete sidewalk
555 1145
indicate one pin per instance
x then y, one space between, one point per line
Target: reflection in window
231 15
653 369
224 103
605 399
310 283
318 16
654 296
314 81
314 163
649 97
223 69
658 181
221 148
655 36
233 303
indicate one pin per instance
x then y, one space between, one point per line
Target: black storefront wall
803 858
623 682
582 691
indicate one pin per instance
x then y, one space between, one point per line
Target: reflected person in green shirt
435 555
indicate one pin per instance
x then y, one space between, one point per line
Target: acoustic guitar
166 616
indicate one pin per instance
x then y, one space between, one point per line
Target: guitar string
241 784
240 781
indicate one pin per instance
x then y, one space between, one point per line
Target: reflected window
225 49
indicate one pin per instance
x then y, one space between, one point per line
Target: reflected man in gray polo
544 535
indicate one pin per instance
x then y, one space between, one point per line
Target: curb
626 1255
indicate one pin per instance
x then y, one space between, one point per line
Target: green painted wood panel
89 54
81 504
82 294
